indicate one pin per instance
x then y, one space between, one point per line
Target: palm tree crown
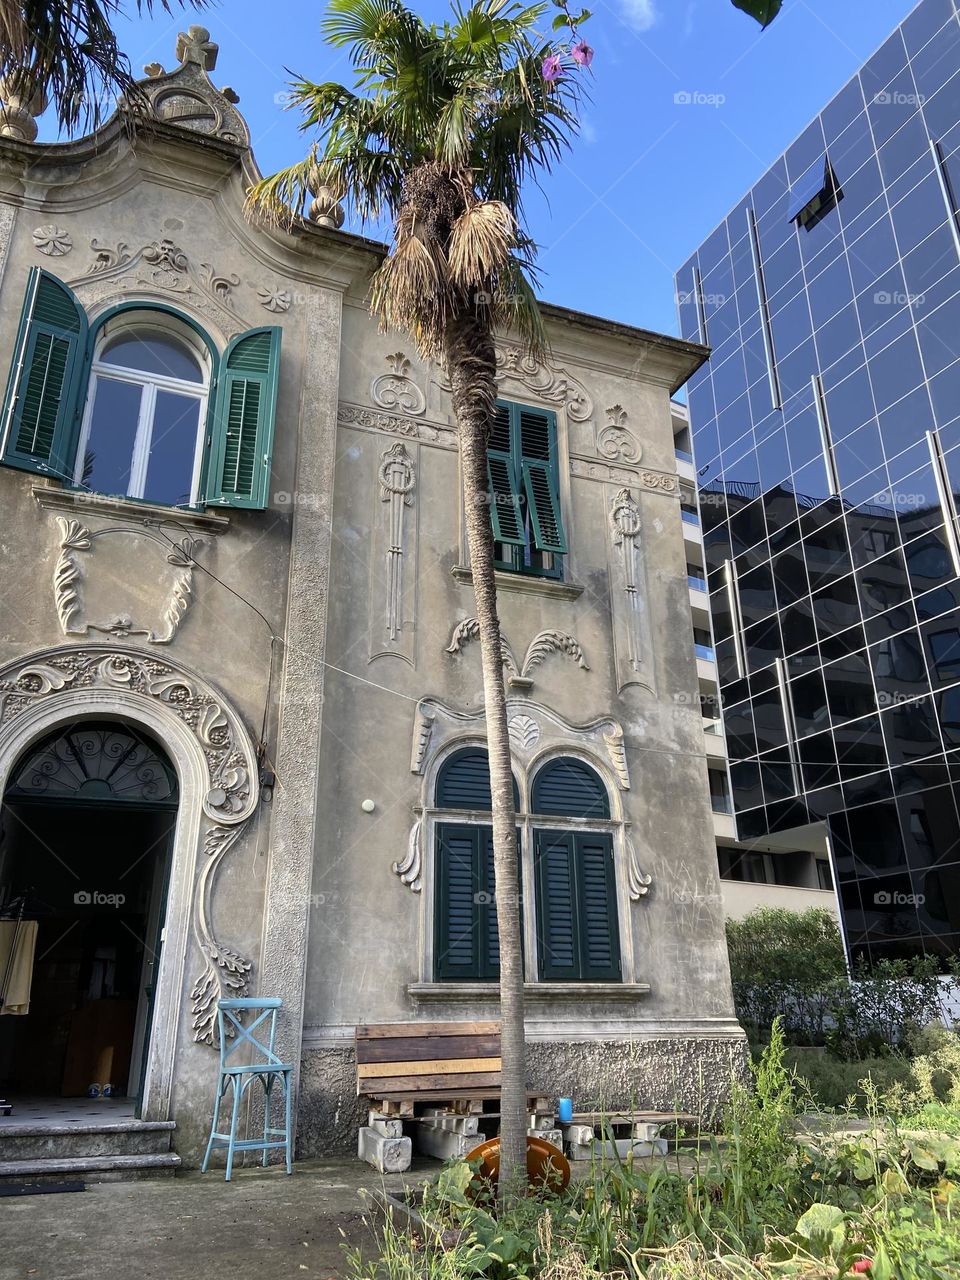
442 128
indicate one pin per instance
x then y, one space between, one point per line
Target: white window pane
108 456
173 445
152 352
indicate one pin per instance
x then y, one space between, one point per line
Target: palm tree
66 51
440 132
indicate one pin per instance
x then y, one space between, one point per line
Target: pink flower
861 1265
581 53
551 68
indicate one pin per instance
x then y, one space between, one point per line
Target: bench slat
452 1086
427 1048
453 1067
390 1030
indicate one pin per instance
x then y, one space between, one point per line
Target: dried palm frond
480 244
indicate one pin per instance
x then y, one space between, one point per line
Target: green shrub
837 1086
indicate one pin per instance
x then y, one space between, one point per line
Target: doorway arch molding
216 765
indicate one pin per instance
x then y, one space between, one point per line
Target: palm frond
480 244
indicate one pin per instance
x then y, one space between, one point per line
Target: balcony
724 827
704 652
696 583
691 528
685 467
742 896
713 741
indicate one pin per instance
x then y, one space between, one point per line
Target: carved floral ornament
532 727
396 390
540 647
69 574
52 240
231 790
616 441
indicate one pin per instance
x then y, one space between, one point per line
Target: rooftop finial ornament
325 208
195 45
20 104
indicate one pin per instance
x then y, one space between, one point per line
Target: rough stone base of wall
689 1074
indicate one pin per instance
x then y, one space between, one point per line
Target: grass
763 1203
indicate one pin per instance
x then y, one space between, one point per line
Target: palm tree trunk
472 366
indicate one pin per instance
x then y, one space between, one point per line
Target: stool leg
215 1124
267 1087
233 1125
287 1107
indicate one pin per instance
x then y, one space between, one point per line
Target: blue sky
650 175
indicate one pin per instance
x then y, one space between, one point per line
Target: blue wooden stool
263 1064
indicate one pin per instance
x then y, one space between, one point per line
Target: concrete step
90 1168
32 1141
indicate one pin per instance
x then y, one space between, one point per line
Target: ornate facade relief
396 390
352 415
534 731
547 383
540 647
70 577
108 677
186 97
394 560
628 594
52 240
160 267
616 441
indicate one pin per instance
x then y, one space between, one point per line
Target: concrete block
443 1145
622 1148
536 1121
553 1136
387 1126
645 1131
581 1134
388 1155
460 1124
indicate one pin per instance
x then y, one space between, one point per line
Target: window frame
517 556
166 321
616 827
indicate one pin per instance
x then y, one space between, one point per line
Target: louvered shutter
490 960
40 407
457 936
506 501
244 414
570 788
540 489
557 933
597 892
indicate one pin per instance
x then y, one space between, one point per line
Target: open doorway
86 832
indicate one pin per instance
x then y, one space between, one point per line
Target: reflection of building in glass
826 429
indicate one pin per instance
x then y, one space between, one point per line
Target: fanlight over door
95 763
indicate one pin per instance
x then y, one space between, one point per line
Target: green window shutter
599 933
490 960
456 936
540 487
506 502
42 395
558 940
578 934
243 420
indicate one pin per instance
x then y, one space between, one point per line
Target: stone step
90 1168
26 1141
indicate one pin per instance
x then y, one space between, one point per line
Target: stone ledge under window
526 583
534 992
135 512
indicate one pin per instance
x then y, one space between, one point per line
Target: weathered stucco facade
298 660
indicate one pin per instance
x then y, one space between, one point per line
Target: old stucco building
241 743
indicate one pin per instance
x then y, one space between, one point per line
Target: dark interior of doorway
90 874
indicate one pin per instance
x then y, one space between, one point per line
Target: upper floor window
525 491
140 406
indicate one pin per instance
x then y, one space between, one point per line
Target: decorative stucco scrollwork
552 385
391 630
539 648
396 390
226 972
232 787
616 441
638 882
410 866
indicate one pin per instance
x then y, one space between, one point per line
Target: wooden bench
441 1076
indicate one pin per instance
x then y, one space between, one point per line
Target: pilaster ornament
21 103
638 882
630 617
52 240
69 574
539 648
396 390
625 519
616 441
397 478
552 385
410 867
226 972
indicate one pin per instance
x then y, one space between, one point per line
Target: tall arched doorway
86 833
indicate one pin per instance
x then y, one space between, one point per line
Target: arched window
578 935
140 404
465 933
92 762
143 428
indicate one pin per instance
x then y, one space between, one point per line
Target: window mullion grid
790 724
946 191
765 325
141 445
946 500
826 437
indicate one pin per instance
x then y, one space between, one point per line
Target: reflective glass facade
826 429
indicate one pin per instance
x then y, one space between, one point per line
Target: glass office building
826 433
